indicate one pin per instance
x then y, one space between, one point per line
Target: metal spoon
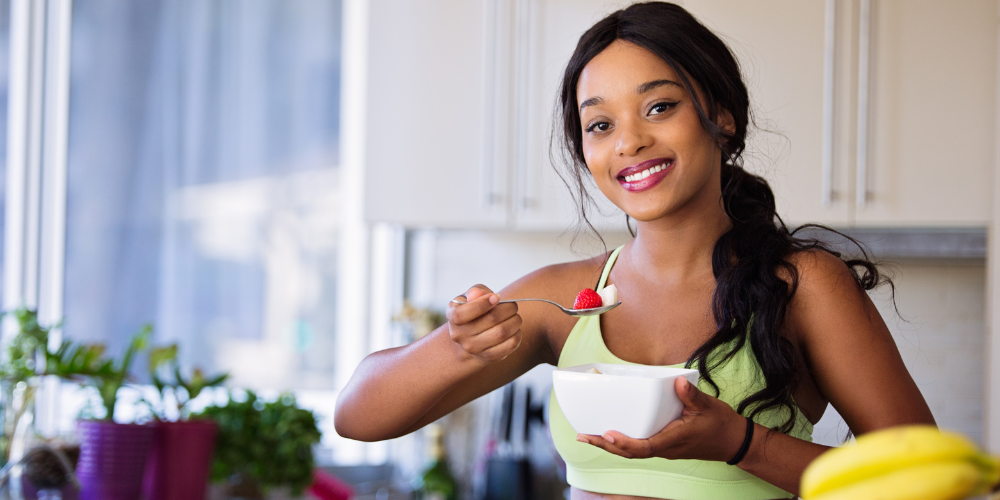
572 312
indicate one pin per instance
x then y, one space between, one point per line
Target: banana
990 466
948 480
882 452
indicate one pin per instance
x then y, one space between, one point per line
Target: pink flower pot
179 461
112 459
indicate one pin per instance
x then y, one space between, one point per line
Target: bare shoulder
819 273
559 281
826 293
838 329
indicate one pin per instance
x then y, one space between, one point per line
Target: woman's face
642 139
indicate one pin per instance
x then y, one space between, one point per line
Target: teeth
645 173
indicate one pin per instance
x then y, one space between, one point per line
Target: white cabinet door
780 45
542 201
427 158
932 132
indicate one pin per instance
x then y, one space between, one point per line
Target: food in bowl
609 294
635 400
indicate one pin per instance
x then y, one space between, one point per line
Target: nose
632 138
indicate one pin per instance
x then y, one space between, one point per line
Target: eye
599 127
661 107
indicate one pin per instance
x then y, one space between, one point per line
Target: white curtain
203 182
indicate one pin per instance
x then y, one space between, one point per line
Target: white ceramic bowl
635 400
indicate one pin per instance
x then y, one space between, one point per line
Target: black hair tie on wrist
746 444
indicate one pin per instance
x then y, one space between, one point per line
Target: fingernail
582 439
494 299
609 438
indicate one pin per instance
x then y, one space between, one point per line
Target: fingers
479 300
604 444
507 346
688 393
495 316
496 334
483 328
477 291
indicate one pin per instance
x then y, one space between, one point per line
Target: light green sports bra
593 469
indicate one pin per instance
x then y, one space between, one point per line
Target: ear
724 119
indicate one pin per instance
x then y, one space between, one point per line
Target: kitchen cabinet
427 160
460 114
932 114
781 46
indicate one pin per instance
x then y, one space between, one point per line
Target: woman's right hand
484 330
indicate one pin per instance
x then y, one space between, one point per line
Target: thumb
688 393
477 291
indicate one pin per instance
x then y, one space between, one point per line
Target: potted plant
182 447
263 445
19 371
26 359
112 455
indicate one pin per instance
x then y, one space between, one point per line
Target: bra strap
607 267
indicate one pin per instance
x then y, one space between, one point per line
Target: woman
655 111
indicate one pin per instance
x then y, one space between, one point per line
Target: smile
645 175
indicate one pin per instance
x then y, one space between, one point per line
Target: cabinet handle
864 90
523 85
828 87
495 110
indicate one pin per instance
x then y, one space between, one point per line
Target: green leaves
26 350
166 375
77 360
87 361
269 441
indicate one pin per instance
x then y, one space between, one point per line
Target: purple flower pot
112 459
179 460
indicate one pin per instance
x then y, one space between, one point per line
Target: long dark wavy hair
751 261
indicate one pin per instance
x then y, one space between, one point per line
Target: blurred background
283 186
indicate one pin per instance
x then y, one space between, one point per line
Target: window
202 191
175 162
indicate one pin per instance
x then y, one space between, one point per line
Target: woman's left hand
708 429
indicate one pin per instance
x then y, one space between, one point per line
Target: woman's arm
848 349
852 358
396 391
482 347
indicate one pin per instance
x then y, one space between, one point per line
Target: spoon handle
515 300
525 300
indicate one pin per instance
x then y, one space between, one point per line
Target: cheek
593 159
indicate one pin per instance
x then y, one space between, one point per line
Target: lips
646 174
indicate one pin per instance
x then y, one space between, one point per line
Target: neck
679 247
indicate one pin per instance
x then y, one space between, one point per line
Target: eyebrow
642 89
646 87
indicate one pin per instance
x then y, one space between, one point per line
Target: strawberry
587 299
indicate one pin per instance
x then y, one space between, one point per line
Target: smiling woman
655 111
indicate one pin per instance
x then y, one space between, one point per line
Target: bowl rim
578 370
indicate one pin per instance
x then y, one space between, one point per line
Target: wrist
753 454
744 439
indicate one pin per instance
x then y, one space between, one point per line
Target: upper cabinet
932 111
428 157
782 47
868 112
